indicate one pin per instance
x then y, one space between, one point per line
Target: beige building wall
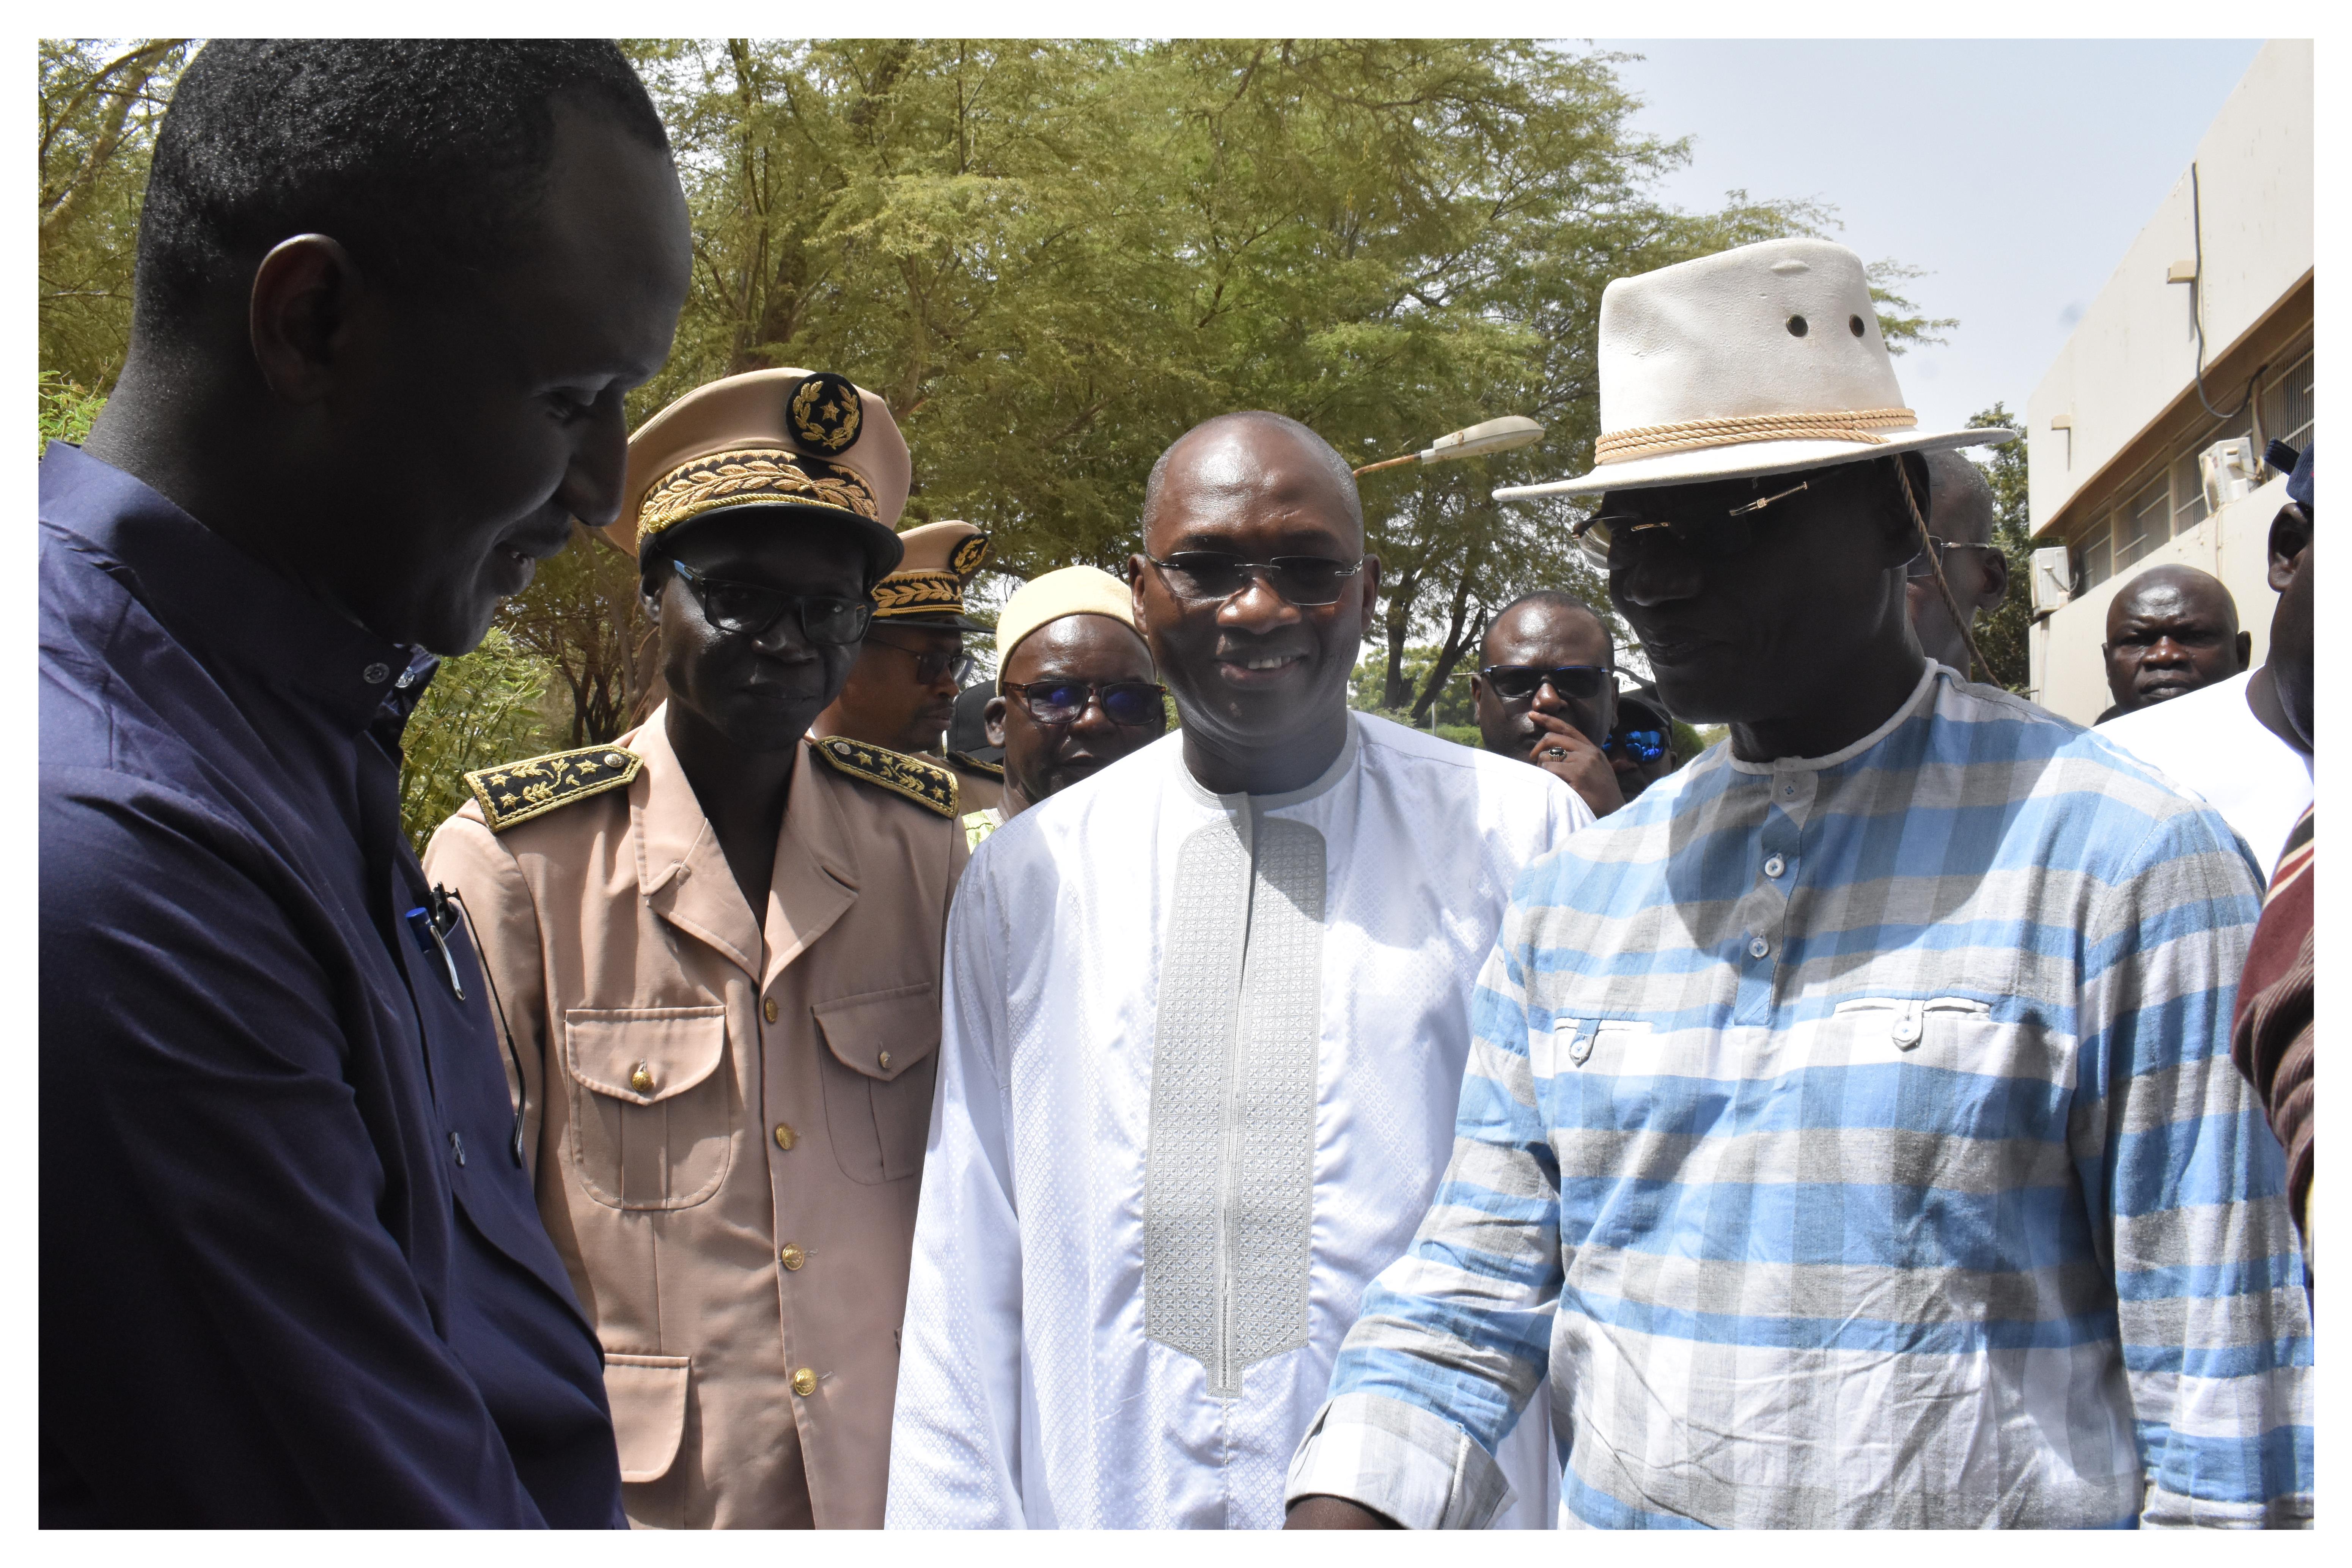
2119 408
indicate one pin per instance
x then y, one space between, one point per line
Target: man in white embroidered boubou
1207 1012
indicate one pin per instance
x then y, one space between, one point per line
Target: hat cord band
1843 424
748 477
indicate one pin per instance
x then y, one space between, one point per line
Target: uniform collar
684 875
221 603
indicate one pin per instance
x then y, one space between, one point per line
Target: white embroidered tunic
1197 1085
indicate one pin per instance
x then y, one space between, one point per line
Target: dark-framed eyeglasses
1721 534
1520 683
1939 548
1131 704
931 663
1210 575
1640 745
749 609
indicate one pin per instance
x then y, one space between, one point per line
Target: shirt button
768 1009
884 1059
790 1256
804 1382
376 674
614 760
1760 948
1775 866
1788 791
785 1136
457 1148
642 1081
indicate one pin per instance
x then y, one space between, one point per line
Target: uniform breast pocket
881 1060
653 1116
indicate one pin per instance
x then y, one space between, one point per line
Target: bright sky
2016 172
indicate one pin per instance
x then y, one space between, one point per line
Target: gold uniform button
768 1009
785 1136
804 1382
791 1255
885 1058
642 1081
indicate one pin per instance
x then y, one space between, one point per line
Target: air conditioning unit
2053 578
2229 470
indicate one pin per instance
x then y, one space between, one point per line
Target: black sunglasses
1131 704
1939 548
1723 533
747 609
933 664
1305 581
1519 682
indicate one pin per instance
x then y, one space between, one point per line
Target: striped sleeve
1453 1337
2186 1187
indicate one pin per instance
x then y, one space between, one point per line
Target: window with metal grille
2095 560
2144 523
2288 404
2187 494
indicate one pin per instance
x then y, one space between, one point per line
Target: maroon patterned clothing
2272 1039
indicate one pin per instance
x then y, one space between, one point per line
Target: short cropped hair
1557 599
421 156
1342 476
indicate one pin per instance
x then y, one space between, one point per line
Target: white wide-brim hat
1762 360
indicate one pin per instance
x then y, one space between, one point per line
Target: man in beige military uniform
716 945
902 693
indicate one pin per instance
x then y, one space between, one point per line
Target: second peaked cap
811 445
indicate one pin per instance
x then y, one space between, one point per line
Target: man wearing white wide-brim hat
1849 1130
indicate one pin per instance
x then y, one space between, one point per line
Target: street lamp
1503 435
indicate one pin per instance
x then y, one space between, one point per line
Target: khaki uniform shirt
978 787
726 1121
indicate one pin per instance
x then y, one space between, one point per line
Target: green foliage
2001 635
67 411
481 710
100 101
1454 703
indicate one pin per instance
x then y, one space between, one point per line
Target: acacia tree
99 102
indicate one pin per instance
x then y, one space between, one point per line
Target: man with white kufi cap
1851 1133
1074 689
716 947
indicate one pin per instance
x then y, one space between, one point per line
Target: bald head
1546 623
2171 630
1959 500
1225 451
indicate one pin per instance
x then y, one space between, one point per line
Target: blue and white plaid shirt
1855 1140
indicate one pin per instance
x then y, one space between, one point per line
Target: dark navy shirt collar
223 603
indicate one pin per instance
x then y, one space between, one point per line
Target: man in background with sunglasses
1207 1015
912 667
715 946
1959 524
1851 1135
1074 692
1546 692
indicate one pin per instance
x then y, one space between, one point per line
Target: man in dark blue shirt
389 297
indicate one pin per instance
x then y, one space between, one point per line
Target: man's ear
649 591
1996 578
2290 537
301 313
2245 650
1136 565
991 720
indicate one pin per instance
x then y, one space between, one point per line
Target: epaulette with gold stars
517 791
925 784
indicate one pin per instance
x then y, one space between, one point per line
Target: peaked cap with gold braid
927 590
808 445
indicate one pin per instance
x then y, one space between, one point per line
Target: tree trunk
1457 641
136 69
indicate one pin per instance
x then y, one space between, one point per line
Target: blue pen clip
429 939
